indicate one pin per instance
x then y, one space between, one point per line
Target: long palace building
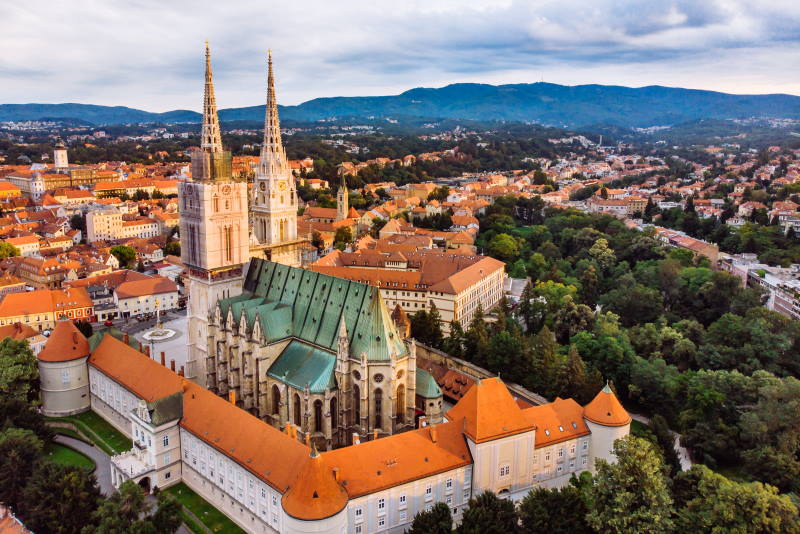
302 409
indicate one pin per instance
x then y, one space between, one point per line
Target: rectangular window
505 470
165 441
428 492
167 458
403 500
65 376
359 512
358 529
403 516
381 504
448 483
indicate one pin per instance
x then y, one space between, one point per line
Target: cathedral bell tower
274 192
214 233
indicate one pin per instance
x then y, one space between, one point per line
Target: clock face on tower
226 190
282 186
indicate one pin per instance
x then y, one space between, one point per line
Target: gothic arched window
378 408
356 405
317 416
297 409
276 400
333 414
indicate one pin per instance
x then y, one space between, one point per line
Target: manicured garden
64 455
94 427
212 518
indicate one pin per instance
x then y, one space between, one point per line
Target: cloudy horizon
149 55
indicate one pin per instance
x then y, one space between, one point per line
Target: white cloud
148 53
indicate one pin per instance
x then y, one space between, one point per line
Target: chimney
181 371
423 422
374 434
336 474
287 430
231 394
172 364
294 431
434 433
308 438
356 438
163 359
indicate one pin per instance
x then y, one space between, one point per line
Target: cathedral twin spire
211 138
272 162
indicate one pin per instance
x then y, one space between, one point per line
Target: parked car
108 322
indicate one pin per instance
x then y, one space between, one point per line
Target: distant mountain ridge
544 103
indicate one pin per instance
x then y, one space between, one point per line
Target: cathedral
316 356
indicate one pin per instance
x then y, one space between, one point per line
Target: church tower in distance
214 232
274 192
342 201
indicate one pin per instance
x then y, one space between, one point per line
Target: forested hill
544 103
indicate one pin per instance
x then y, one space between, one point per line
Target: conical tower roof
605 409
211 139
65 344
315 493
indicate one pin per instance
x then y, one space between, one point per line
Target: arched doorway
400 407
145 485
297 409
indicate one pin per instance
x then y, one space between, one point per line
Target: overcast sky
149 54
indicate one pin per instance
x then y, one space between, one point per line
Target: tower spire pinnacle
273 158
211 139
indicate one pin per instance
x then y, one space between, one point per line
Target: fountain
158 333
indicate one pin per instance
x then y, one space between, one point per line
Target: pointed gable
489 412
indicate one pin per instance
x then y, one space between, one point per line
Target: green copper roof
427 388
169 408
98 335
302 365
293 302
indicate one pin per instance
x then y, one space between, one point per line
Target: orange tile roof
141 288
65 344
144 377
27 303
489 412
260 448
315 493
605 409
557 421
383 463
17 331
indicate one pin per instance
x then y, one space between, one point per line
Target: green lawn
63 455
102 434
210 516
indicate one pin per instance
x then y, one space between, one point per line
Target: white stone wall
250 502
64 386
392 510
603 438
147 303
557 462
112 401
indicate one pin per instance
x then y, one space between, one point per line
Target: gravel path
683 453
101 459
